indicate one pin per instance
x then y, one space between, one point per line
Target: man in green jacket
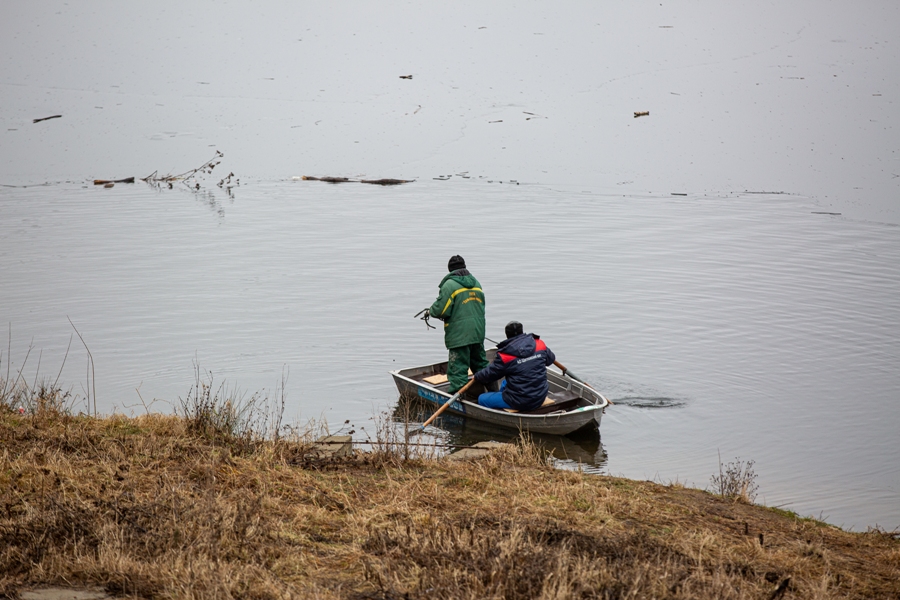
460 305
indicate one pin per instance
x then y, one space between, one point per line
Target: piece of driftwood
326 179
643 113
105 181
386 181
347 180
47 118
406 77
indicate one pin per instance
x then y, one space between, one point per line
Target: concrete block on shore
334 446
479 450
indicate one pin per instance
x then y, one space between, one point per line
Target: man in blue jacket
523 359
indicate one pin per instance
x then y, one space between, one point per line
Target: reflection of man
523 359
460 305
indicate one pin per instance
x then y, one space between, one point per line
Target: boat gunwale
580 410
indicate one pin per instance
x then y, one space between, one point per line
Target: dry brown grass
150 507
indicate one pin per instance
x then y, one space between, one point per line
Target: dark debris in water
650 402
386 181
348 180
106 181
326 179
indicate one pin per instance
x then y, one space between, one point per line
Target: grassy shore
177 507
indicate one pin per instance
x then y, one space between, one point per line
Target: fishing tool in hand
425 318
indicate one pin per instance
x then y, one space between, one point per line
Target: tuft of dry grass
736 481
153 507
38 400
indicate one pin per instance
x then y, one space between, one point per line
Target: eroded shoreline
156 506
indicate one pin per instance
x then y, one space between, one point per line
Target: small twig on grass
721 477
879 530
63 362
24 362
91 379
38 370
8 357
146 406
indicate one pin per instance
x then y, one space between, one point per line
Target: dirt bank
158 507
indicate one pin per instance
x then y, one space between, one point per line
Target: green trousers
461 360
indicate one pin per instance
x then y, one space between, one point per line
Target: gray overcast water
691 263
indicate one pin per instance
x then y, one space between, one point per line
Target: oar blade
443 407
414 431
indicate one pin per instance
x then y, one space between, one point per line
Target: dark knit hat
513 328
456 262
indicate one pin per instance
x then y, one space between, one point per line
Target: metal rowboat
575 407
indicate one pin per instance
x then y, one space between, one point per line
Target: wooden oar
569 373
452 399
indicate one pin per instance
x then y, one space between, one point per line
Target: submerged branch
206 167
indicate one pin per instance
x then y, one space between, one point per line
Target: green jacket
461 306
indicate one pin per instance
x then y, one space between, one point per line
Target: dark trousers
461 360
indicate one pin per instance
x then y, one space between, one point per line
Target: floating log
105 181
346 180
326 179
47 118
643 113
386 181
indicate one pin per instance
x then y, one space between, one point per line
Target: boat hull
585 416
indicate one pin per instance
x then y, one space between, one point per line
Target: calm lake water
745 325
688 263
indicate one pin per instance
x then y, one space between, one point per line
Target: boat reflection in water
582 451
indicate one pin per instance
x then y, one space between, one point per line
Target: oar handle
448 403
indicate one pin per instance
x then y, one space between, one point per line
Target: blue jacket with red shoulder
523 360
